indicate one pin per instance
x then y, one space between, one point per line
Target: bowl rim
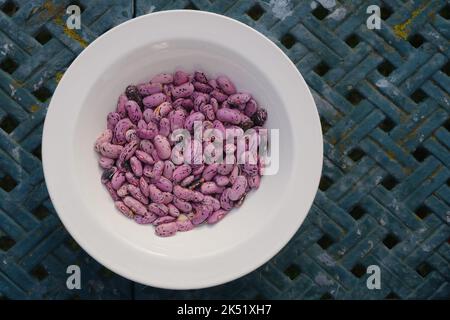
263 258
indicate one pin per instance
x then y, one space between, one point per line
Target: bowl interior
260 209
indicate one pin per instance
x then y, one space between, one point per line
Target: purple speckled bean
164 127
136 166
238 188
181 172
154 100
239 98
111 191
128 151
148 133
148 218
202 87
164 184
182 91
196 116
210 187
233 175
250 169
162 147
177 119
143 185
104 137
149 116
124 209
211 201
226 85
180 77
198 169
250 108
254 181
182 205
201 214
120 109
166 229
155 194
225 169
167 198
146 146
132 179
225 201
136 193
144 157
164 109
142 124
163 78
197 196
200 77
182 193
169 167
229 115
208 111
146 89
153 127
187 181
210 171
218 95
159 209
165 219
187 104
157 171
167 89
112 119
117 180
199 101
155 156
134 111
213 83
216 216
121 128
221 181
123 190
135 205
173 211
106 163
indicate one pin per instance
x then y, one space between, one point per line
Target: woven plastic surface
384 198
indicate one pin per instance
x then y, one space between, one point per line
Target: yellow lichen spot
402 30
58 76
71 33
34 108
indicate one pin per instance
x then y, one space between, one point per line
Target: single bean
180 77
104 137
136 166
166 229
226 85
182 91
135 205
181 172
161 220
159 209
216 216
154 100
163 78
124 209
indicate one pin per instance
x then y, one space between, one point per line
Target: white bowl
132 53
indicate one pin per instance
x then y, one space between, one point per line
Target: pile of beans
136 148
